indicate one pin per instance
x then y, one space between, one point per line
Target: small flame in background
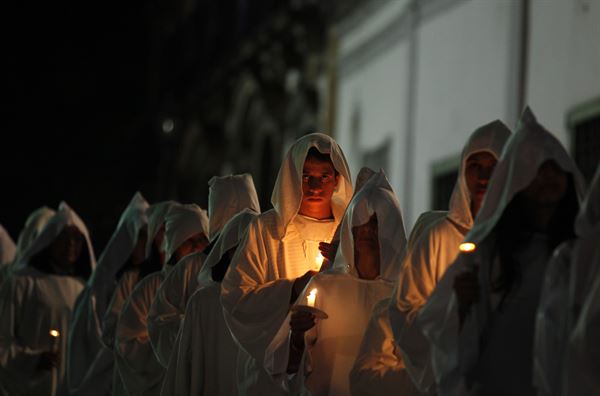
54 333
467 247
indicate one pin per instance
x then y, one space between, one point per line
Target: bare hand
466 287
49 360
328 251
300 322
300 284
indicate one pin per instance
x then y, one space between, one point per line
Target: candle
467 247
319 261
54 333
312 296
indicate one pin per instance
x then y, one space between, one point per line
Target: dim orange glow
54 333
467 247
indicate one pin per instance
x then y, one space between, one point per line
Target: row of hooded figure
323 294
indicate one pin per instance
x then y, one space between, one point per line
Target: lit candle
55 334
467 247
312 296
319 261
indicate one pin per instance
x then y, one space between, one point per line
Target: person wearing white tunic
38 298
186 227
280 252
90 366
437 247
227 196
480 318
315 358
202 362
579 373
379 368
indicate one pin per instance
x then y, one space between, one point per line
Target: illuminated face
478 171
549 185
319 181
196 243
67 247
366 249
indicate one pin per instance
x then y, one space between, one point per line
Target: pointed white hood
156 218
65 216
227 196
125 236
231 235
489 138
376 196
287 194
34 224
181 222
7 247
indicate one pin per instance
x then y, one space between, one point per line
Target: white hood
524 153
181 222
7 247
230 236
376 196
124 238
287 194
34 224
156 218
64 216
227 196
489 138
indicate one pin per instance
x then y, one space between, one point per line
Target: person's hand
48 360
300 284
466 287
328 251
300 322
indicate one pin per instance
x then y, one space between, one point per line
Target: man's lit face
319 181
478 171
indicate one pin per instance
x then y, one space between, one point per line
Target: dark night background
89 84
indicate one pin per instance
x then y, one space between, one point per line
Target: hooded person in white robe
155 256
579 372
38 299
437 247
8 249
280 252
316 358
227 196
90 366
480 318
204 355
379 368
186 227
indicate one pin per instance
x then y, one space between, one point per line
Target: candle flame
312 296
54 333
467 247
319 261
313 293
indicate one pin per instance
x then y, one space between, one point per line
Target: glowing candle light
312 296
54 333
319 261
467 247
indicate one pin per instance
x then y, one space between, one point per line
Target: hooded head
525 152
156 215
183 222
589 214
7 247
489 138
125 237
287 194
65 216
230 237
34 224
375 198
227 196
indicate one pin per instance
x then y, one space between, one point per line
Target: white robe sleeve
141 372
379 369
168 308
18 362
111 317
254 306
551 329
418 278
